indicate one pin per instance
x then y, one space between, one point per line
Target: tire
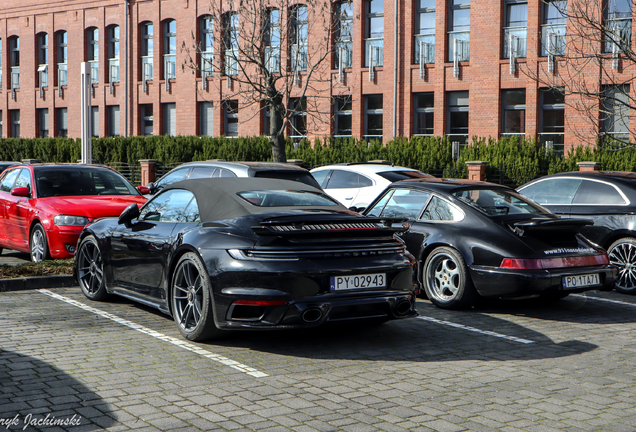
89 268
38 245
622 254
191 303
446 280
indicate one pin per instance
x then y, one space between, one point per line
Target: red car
44 207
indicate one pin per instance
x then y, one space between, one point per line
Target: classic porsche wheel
622 254
38 245
191 303
90 269
446 279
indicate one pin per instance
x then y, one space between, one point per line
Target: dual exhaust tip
313 315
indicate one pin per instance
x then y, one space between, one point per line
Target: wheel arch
427 249
616 235
181 251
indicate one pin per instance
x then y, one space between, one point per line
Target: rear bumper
498 282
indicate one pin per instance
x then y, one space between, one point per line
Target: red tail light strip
260 302
547 263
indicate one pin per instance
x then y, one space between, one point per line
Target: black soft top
218 198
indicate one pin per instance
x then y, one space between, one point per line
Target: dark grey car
607 198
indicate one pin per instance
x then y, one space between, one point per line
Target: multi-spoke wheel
191 303
622 254
446 279
90 269
38 245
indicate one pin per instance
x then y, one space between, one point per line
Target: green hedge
510 161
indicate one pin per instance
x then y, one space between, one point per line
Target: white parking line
604 300
175 341
472 329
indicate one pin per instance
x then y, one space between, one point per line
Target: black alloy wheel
90 269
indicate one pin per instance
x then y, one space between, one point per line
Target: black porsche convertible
221 254
476 239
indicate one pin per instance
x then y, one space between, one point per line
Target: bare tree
275 56
592 63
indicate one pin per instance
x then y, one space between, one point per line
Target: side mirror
21 192
144 190
151 188
357 209
131 212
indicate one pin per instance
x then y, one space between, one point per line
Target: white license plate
581 280
377 280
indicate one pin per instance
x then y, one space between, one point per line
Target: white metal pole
85 107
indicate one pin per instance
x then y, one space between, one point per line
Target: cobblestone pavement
501 366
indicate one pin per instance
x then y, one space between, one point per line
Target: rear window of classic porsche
285 198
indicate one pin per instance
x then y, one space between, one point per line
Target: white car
357 184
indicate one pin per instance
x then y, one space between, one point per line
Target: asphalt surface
501 366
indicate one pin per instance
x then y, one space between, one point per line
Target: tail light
548 263
260 302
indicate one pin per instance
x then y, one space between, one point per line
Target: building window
43 123
272 41
92 54
552 119
0 123
615 112
230 43
14 64
169 119
113 120
513 120
617 35
516 29
374 33
425 28
373 121
62 122
553 27
206 116
207 46
342 116
457 104
94 121
14 116
43 59
459 30
423 113
169 49
299 38
62 58
231 108
344 35
147 51
298 120
146 117
113 54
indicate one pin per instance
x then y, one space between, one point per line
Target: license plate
377 280
581 280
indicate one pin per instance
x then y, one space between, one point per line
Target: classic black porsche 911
476 239
249 254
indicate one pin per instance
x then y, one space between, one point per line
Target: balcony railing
463 46
424 49
147 68
207 64
43 75
0 78
344 54
231 62
113 70
618 36
299 57
62 74
15 77
378 56
553 40
94 64
272 59
518 37
169 66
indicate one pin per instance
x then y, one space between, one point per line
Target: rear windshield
394 176
499 202
286 198
77 181
299 176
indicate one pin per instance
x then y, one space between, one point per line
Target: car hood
92 206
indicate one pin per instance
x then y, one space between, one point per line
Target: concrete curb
32 283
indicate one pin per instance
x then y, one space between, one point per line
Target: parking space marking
476 330
604 300
175 341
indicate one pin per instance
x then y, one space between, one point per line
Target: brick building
437 67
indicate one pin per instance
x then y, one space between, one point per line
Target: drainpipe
126 71
395 68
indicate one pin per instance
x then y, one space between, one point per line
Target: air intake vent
325 227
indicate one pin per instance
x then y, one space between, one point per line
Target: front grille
325 227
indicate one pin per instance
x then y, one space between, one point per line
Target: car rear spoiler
544 225
316 226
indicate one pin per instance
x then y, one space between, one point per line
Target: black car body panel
257 253
485 240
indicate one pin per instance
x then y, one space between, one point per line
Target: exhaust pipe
311 315
403 308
